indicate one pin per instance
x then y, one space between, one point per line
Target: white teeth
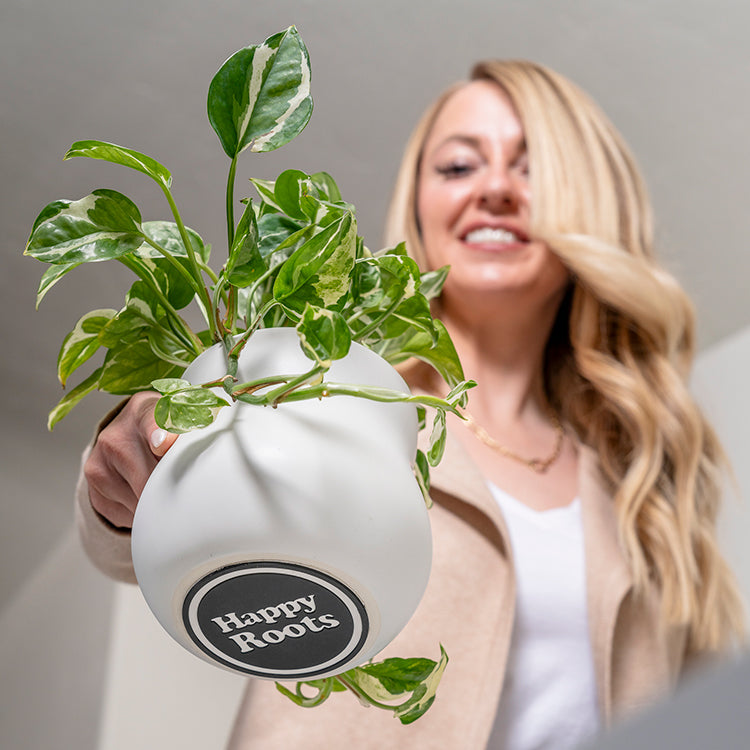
488 234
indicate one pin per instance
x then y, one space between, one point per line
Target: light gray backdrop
673 74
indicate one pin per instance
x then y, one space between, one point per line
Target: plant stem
363 697
174 263
370 328
230 203
231 315
202 291
209 271
275 397
186 334
371 393
259 318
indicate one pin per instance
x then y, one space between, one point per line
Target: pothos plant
294 259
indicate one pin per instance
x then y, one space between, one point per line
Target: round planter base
304 624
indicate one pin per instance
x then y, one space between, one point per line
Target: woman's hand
123 457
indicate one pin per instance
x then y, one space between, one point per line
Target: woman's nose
497 192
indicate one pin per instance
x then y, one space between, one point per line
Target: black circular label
275 620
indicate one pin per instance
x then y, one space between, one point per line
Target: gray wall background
672 74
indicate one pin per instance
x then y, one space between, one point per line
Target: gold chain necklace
539 465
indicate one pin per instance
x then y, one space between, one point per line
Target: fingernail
158 436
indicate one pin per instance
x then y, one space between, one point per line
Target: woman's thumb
160 441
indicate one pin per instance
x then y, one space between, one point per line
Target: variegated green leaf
326 187
458 395
413 313
273 230
266 191
422 475
245 264
324 335
170 385
101 226
73 397
381 282
292 191
318 272
260 97
425 697
51 276
131 367
167 235
441 355
124 156
82 342
431 282
168 347
184 410
438 436
127 327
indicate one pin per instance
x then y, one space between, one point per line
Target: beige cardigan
468 607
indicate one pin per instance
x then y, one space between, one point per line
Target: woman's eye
454 169
522 165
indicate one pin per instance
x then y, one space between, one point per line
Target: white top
549 694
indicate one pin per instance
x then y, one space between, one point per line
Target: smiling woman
563 317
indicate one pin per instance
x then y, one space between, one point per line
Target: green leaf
51 276
432 282
421 702
398 675
73 397
326 187
422 475
131 367
189 409
142 300
273 230
148 262
167 347
167 235
245 264
267 192
82 342
441 355
384 286
260 97
411 313
437 439
292 191
384 683
101 226
318 271
458 395
324 335
125 156
126 327
169 385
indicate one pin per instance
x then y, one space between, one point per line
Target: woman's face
473 202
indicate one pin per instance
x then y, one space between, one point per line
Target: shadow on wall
53 653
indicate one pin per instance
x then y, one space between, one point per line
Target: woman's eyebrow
475 142
469 140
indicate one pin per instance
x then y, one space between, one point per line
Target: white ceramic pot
287 543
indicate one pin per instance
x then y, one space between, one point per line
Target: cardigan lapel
608 575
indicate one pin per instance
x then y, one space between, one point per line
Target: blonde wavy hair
620 351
